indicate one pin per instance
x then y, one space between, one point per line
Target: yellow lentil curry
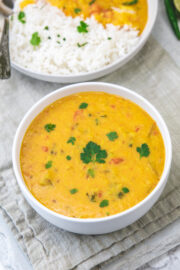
91 155
117 12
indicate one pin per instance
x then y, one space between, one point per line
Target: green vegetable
143 150
64 39
130 3
92 2
93 153
172 17
58 35
46 28
77 10
74 190
49 37
91 173
68 157
48 164
35 39
104 203
82 28
83 105
82 45
71 140
109 38
112 136
49 127
21 17
125 189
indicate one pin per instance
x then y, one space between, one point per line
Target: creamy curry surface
92 155
117 12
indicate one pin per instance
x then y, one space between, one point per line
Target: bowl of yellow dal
92 158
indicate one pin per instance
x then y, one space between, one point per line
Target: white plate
92 225
152 14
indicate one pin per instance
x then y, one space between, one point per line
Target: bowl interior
84 87
152 14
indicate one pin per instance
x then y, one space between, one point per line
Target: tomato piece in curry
92 155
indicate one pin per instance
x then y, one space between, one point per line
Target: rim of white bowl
29 195
104 70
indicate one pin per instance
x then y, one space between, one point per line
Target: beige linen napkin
153 74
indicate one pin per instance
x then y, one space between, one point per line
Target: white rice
66 58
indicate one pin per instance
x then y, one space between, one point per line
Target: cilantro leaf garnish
48 164
68 157
104 203
46 28
77 10
125 189
83 105
21 17
91 173
71 140
143 150
112 136
130 3
109 38
92 2
35 39
49 127
82 45
82 28
93 153
74 190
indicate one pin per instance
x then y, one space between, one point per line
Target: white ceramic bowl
92 225
152 14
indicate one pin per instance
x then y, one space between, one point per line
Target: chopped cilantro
104 203
49 127
91 173
71 140
49 37
143 150
93 153
109 38
82 45
35 39
68 157
130 3
82 28
46 28
112 136
125 189
83 105
77 10
92 2
64 39
21 17
48 164
58 35
74 190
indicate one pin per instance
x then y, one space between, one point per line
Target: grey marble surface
12 258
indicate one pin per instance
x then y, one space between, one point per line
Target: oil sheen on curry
92 155
117 12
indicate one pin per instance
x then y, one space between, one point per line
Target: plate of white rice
63 54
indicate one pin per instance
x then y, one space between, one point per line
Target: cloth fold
153 74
